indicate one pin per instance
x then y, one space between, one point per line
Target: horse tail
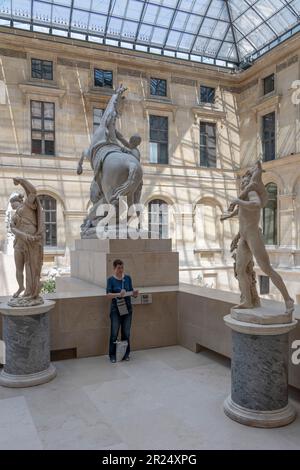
130 185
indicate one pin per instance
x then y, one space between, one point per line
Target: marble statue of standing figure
248 207
27 225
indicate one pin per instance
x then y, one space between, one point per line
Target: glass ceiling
223 32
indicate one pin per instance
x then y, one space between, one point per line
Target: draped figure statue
28 227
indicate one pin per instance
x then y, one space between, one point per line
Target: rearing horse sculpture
117 169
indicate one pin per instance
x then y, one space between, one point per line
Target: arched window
49 206
270 216
158 218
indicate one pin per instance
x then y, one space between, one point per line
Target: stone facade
196 196
253 104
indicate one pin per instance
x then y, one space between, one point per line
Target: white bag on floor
121 347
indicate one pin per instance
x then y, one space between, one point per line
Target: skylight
227 31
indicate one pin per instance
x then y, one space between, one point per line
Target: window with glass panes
49 207
270 216
207 94
158 87
269 83
158 219
264 285
158 139
42 128
97 115
42 69
208 154
103 78
268 136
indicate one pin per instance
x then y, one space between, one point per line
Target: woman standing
118 286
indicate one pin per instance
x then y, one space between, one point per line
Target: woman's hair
117 262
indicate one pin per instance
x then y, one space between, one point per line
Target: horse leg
137 194
130 185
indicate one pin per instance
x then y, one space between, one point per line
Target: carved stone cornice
212 113
97 98
266 102
30 88
159 105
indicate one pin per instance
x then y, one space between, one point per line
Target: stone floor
166 398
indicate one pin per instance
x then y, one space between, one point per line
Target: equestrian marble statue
115 163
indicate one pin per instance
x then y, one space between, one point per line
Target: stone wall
284 171
200 323
83 323
189 316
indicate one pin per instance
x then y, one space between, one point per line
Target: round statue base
26 336
27 380
259 419
259 368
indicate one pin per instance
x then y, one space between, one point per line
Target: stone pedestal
150 262
27 345
259 367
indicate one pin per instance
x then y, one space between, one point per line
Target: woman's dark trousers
117 321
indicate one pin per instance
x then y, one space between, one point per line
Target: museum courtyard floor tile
165 398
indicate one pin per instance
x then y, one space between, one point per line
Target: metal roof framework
220 32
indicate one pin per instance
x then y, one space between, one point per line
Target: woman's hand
122 293
135 293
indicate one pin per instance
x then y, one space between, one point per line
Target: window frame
42 130
274 215
268 141
109 87
42 61
207 87
264 285
206 147
50 223
160 223
158 95
159 142
271 75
